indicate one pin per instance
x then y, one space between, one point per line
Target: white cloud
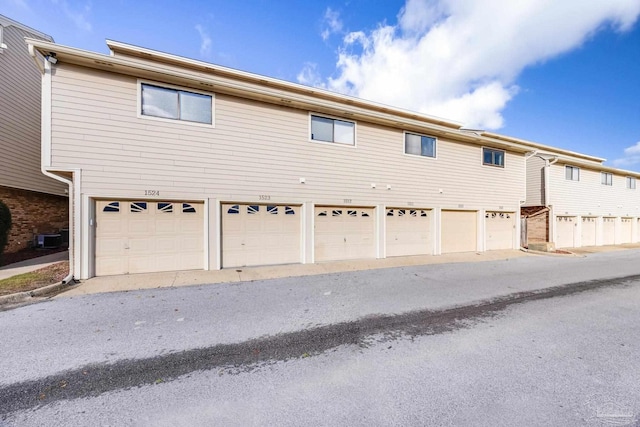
80 17
631 156
460 58
205 41
310 76
331 23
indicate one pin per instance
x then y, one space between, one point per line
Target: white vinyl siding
95 127
535 182
20 105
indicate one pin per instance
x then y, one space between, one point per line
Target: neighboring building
180 164
38 203
585 202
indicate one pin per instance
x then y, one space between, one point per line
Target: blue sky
565 73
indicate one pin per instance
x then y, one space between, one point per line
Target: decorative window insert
492 157
606 178
253 209
111 207
631 183
272 209
188 208
175 104
165 207
323 213
235 209
138 207
572 173
332 130
419 145
336 213
288 210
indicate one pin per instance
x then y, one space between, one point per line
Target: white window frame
492 165
178 88
2 45
606 178
342 119
631 183
414 156
574 177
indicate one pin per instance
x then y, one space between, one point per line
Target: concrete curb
20 297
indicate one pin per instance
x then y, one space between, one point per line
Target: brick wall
537 224
33 213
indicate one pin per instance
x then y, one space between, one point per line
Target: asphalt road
528 341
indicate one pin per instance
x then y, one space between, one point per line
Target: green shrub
5 226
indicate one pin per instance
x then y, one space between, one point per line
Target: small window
323 213
188 208
352 213
491 157
423 213
336 213
272 209
111 207
138 206
253 209
401 212
631 183
288 210
165 207
390 212
332 130
606 178
174 104
235 209
572 173
364 214
419 145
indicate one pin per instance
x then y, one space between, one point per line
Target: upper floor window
607 178
492 157
175 104
332 130
419 145
2 45
631 183
572 173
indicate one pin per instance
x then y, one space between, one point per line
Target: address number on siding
151 192
264 197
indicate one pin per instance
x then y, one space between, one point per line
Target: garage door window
235 209
137 207
288 210
188 208
112 207
165 207
253 209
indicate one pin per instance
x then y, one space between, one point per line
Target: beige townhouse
38 203
582 201
180 164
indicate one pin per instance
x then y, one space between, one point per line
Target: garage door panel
589 230
500 229
565 231
459 231
260 235
626 230
408 232
147 236
608 231
344 233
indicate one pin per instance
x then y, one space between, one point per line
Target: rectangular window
631 183
607 178
419 145
2 45
332 130
491 157
174 104
572 173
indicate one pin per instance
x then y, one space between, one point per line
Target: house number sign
151 192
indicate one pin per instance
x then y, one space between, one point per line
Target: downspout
547 164
45 156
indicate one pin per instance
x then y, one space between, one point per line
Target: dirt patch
36 279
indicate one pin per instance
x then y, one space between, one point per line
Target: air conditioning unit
47 241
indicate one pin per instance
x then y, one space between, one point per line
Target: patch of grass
35 279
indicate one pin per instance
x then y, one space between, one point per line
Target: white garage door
589 227
260 235
626 230
408 232
608 231
344 233
459 231
565 231
500 228
144 236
